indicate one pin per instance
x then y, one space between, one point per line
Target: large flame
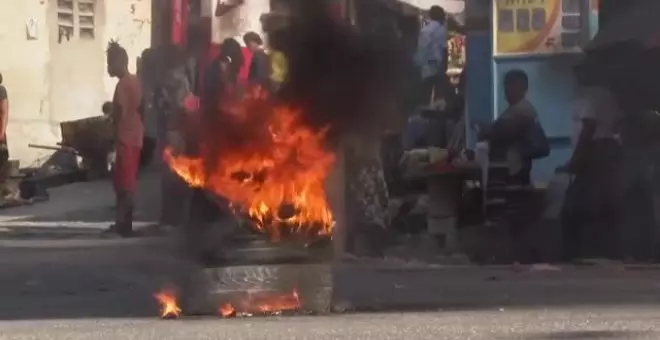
268 162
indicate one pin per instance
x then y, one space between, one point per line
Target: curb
84 243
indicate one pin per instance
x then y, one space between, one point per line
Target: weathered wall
239 21
49 80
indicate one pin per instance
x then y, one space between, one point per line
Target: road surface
104 292
59 281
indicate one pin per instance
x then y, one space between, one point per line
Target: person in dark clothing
260 65
511 136
221 74
4 118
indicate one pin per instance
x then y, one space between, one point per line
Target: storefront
544 38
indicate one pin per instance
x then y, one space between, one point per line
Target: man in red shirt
129 132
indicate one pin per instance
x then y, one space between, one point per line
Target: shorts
126 167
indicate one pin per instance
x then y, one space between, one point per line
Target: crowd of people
173 87
163 102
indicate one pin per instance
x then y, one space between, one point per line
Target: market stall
543 39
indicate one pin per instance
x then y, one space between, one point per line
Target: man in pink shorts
129 132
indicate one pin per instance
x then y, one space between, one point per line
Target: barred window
76 18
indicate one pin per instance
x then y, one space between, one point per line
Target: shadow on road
119 281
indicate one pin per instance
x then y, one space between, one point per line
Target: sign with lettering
540 26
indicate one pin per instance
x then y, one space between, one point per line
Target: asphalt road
622 323
105 292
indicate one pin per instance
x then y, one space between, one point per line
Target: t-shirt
279 67
510 128
599 104
129 129
431 46
259 69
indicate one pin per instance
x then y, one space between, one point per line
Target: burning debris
269 157
169 308
254 304
226 310
262 304
276 176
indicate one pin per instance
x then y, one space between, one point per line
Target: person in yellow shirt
278 61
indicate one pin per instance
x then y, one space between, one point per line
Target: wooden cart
93 140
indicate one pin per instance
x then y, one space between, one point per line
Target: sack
539 145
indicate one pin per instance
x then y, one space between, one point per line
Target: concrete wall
50 81
243 19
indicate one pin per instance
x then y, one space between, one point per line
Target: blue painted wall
551 91
552 87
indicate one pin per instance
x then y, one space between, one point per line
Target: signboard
540 26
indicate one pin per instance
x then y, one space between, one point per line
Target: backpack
539 145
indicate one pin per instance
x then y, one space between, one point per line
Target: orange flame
168 304
227 310
277 178
278 303
263 304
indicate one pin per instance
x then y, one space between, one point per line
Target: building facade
53 63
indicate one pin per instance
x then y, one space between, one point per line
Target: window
523 20
571 24
570 40
570 6
538 19
505 20
76 19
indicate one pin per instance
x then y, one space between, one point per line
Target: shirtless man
129 132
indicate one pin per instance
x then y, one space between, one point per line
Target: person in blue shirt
431 56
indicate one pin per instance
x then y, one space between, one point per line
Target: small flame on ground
227 310
263 304
168 304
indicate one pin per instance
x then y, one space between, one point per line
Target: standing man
260 64
431 55
592 209
129 132
4 118
517 136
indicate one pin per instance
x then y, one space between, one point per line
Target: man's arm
586 136
4 113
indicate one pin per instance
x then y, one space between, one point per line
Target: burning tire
243 272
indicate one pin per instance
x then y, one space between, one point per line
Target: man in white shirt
431 55
591 212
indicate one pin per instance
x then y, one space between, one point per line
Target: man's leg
426 91
125 181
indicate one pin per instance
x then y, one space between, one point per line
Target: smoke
341 77
338 78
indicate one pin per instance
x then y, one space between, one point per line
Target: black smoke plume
339 75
